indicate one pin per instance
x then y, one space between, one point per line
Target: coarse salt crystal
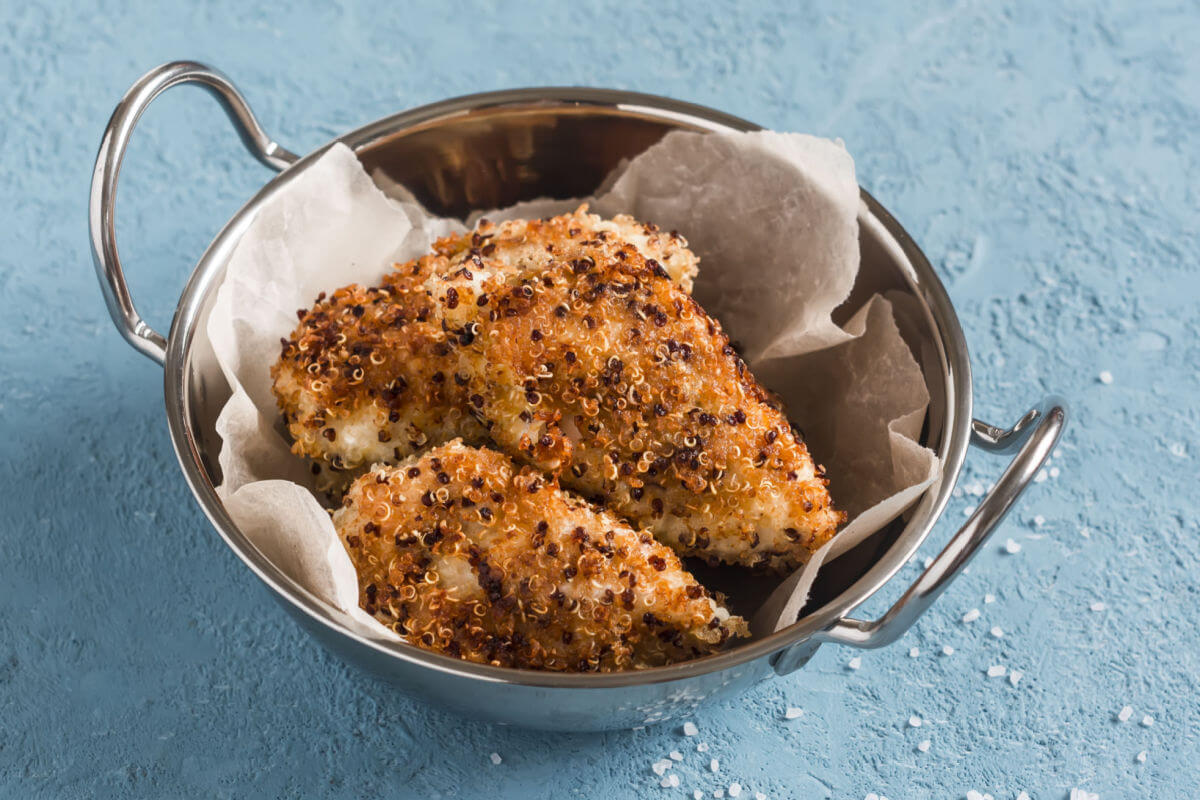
1055 472
495 757
924 745
968 511
989 598
971 615
702 747
759 796
1085 532
913 652
914 721
1125 713
1040 477
997 631
871 796
1106 377
1039 520
697 795
947 650
996 670
1081 794
1015 676
1098 606
660 767
974 795
690 729
718 793
792 713
1147 721
714 765
672 781
854 663
735 790
928 562
1141 757
1023 796
675 755
1012 547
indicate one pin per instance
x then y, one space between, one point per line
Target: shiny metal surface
103 201
497 148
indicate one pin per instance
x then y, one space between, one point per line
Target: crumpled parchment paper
773 218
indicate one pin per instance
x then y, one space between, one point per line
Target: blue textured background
1044 157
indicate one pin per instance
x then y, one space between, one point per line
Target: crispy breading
364 378
576 353
463 552
599 368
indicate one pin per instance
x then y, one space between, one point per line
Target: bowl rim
918 272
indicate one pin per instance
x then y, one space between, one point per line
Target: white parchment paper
773 218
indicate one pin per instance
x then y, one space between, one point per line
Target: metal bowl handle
1033 437
102 206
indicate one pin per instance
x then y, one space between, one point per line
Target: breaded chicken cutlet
463 552
364 378
580 355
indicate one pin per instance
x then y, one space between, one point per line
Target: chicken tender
599 368
463 552
365 377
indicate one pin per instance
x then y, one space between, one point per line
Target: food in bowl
464 552
572 346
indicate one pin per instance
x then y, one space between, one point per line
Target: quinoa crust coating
463 552
574 352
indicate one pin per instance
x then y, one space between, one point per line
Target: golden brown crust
573 352
465 553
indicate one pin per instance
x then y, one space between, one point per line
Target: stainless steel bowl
491 150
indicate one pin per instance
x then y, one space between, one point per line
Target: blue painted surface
1044 155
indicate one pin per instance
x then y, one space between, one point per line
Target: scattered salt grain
1141 757
1125 713
968 511
1178 449
1040 477
1055 472
702 747
660 767
718 793
974 795
1039 520
759 796
913 652
914 721
1085 532
1082 794
1012 546
676 755
1015 676
697 795
1147 721
496 759
1106 378
924 745
792 713
1098 606
928 562
714 765
997 631
690 729
854 663
947 650
669 782
996 670
971 615
735 790
989 598
1023 796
